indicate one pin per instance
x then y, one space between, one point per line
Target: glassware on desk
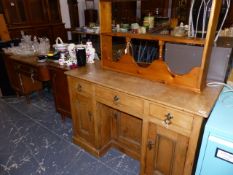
27 47
44 46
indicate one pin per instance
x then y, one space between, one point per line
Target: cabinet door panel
164 148
54 9
104 124
60 91
43 32
37 11
129 128
166 151
16 33
29 84
150 6
12 74
84 119
14 11
59 31
127 8
126 130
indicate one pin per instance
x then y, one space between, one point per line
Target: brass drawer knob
115 114
167 121
31 71
89 115
17 67
79 88
116 98
150 144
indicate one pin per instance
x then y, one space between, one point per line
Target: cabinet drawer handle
116 98
17 67
115 114
167 121
89 115
32 78
150 144
31 71
54 76
79 88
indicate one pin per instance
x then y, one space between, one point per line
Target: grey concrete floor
34 141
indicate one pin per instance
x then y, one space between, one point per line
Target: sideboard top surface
196 103
33 61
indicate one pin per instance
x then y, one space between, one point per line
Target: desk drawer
120 100
27 70
170 116
82 87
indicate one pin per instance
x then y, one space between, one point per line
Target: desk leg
63 117
28 99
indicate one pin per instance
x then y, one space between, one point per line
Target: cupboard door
83 119
54 11
180 10
29 84
104 114
158 7
43 32
166 151
14 12
126 131
59 31
37 11
60 91
128 8
23 78
12 74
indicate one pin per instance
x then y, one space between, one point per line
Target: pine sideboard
155 123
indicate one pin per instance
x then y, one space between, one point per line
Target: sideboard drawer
171 117
120 100
27 70
83 87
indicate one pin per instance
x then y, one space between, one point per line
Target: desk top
30 60
43 68
196 103
33 61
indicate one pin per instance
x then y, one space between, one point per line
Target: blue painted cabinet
216 154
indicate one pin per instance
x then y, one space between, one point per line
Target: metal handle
150 144
79 88
20 80
31 71
115 114
17 67
116 98
54 76
167 121
89 115
32 78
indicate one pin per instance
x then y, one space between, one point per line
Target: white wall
65 13
81 8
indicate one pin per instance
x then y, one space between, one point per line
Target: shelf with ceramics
157 70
